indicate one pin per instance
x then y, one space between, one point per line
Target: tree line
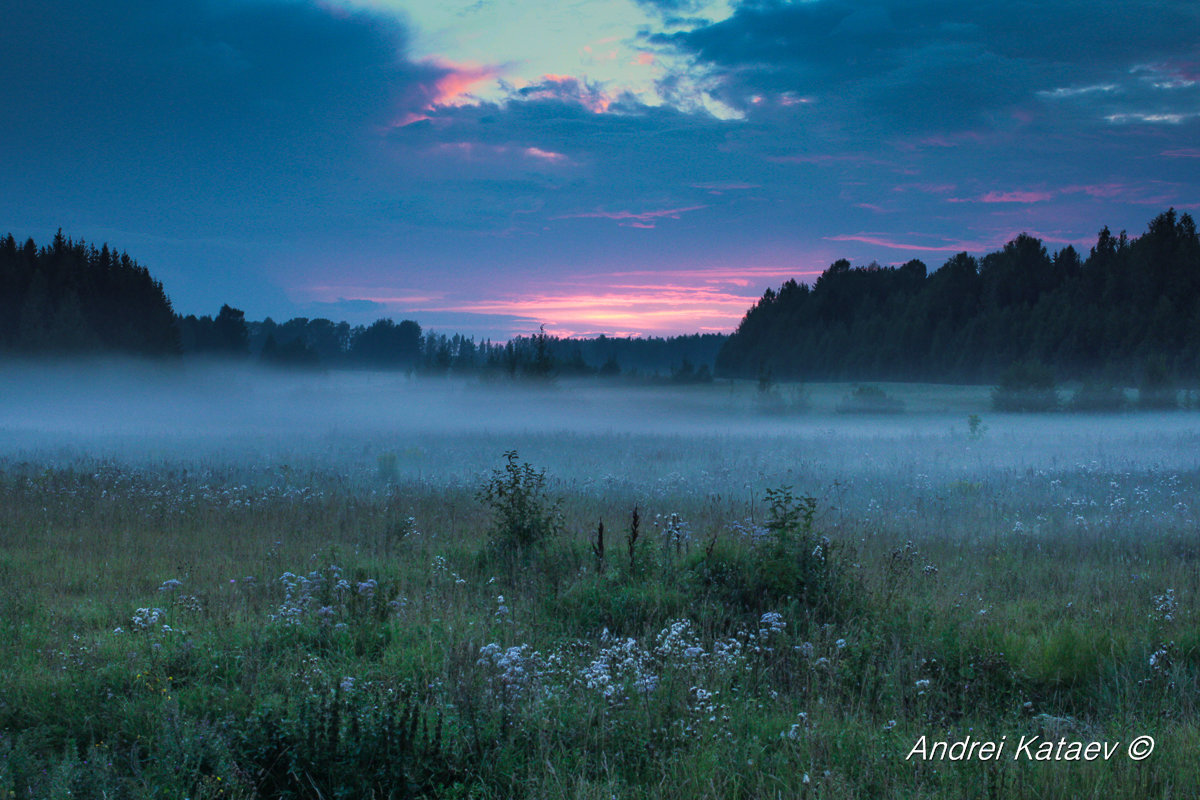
1130 311
71 298
1132 305
385 344
68 297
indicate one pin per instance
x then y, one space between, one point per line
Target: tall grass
228 630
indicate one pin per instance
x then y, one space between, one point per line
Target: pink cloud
1183 152
455 85
992 242
879 241
634 219
1016 197
631 302
817 158
617 310
451 88
545 155
568 87
477 151
720 187
926 188
1101 190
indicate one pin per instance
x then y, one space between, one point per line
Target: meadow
358 585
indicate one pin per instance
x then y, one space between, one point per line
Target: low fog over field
235 569
345 419
709 439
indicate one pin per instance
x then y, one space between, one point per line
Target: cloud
229 115
1016 197
637 219
566 88
932 64
672 9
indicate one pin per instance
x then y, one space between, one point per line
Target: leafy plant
791 565
523 517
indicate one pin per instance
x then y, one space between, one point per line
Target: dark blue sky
625 167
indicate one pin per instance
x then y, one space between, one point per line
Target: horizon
642 168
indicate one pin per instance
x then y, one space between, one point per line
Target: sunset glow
488 167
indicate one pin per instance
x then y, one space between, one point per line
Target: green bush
791 565
523 517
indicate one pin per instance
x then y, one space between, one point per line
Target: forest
1130 305
69 298
1129 310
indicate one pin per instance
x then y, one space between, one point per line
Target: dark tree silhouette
1129 301
69 298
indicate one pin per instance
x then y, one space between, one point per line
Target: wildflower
1165 606
771 622
1160 659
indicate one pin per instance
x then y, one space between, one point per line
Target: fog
713 437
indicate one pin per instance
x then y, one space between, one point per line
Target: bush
791 565
523 517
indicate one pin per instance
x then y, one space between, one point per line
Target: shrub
792 564
522 516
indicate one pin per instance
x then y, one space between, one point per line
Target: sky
629 167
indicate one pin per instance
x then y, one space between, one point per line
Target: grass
345 626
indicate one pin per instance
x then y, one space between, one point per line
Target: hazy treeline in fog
1127 314
1129 304
320 343
70 298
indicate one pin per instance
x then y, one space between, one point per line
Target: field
227 584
